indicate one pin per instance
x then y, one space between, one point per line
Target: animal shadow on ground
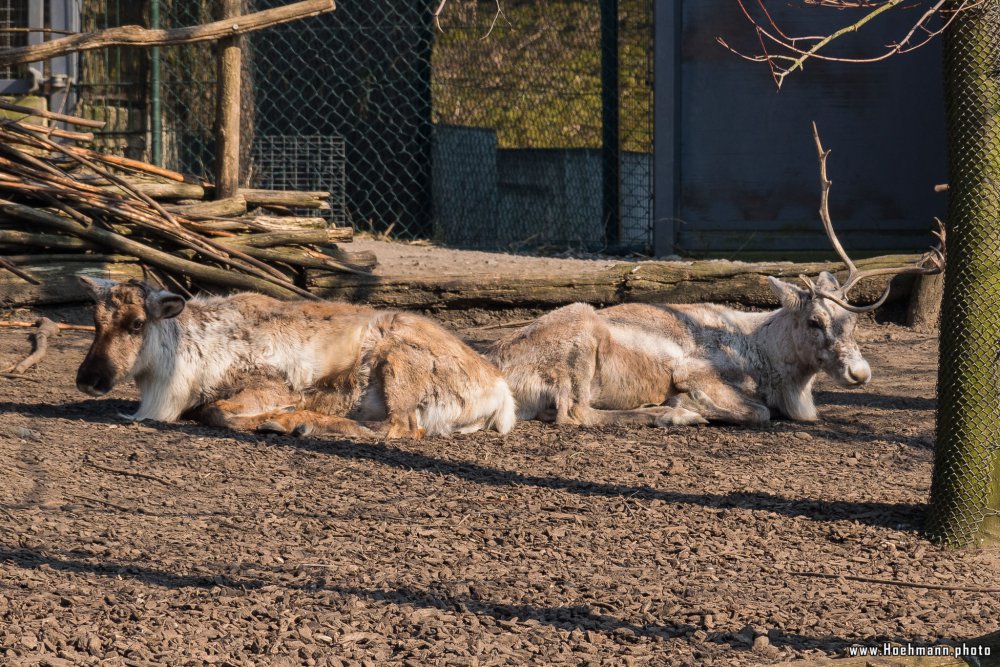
877 401
95 410
897 516
905 516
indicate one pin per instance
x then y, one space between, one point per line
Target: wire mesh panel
635 94
187 75
112 85
303 163
361 73
518 124
13 16
484 131
965 494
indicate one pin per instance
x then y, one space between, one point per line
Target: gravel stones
183 545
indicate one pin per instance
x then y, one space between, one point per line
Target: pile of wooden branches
65 208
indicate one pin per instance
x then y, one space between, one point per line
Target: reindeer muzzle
94 380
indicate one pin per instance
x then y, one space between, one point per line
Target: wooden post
227 115
924 311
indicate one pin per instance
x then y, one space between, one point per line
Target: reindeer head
823 331
824 319
123 315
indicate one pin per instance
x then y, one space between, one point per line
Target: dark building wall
748 176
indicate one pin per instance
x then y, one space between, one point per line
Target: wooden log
59 282
56 132
657 282
300 258
279 223
363 258
220 208
162 190
166 261
285 238
227 110
290 198
12 238
133 35
52 115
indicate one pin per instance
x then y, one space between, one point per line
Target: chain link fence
476 129
519 124
13 16
965 494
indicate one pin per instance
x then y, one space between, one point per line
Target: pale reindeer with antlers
689 364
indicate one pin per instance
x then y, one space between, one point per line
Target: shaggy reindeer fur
249 361
681 364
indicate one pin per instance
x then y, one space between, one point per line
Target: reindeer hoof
680 417
272 426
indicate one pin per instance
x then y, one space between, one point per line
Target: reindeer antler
930 262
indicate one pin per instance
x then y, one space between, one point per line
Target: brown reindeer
689 364
248 361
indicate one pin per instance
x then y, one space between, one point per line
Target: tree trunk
924 311
965 493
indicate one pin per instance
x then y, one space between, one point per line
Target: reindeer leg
576 376
661 415
310 423
717 400
402 374
247 409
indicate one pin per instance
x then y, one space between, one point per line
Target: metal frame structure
55 78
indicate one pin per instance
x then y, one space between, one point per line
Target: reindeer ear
162 305
789 295
98 287
827 282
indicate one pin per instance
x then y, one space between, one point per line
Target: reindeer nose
860 373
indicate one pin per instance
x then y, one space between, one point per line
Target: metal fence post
666 124
610 125
155 105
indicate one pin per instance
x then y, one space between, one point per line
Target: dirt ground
176 544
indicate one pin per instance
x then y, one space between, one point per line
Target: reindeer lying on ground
689 364
251 362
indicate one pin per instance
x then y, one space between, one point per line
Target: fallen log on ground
663 282
58 278
46 329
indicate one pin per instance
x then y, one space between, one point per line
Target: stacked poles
64 199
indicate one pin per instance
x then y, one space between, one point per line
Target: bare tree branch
786 54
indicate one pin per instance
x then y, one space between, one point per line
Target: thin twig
128 473
19 376
504 325
23 275
894 582
108 503
32 325
52 115
783 64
